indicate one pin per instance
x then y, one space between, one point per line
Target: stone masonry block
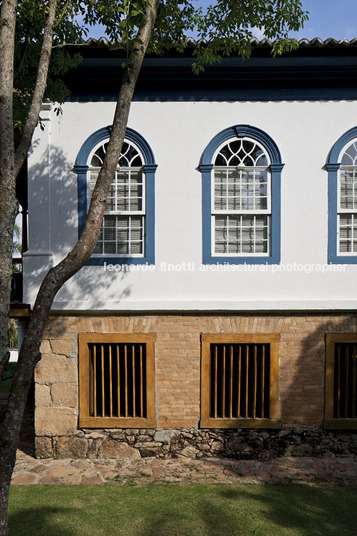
71 447
116 449
55 368
55 421
43 395
62 347
64 394
43 447
45 347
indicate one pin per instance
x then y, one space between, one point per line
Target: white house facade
221 295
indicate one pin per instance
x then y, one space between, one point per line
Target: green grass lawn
192 510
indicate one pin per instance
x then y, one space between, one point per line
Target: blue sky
328 18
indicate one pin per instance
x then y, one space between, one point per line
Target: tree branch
40 87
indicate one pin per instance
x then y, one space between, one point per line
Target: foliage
191 510
12 334
228 26
225 26
16 244
31 16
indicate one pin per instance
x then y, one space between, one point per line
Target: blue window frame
241 182
342 199
128 229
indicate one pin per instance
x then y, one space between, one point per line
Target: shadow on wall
54 227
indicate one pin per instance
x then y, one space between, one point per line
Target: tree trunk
58 275
8 202
11 161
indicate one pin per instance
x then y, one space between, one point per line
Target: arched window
342 195
127 233
241 170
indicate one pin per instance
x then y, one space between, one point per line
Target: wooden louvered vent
341 381
239 380
116 380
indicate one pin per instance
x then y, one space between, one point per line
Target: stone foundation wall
177 386
193 443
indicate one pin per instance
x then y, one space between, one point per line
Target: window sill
340 424
118 261
342 259
240 423
209 259
114 422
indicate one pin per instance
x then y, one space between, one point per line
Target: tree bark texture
8 202
76 258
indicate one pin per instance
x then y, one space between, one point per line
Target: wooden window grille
116 380
239 381
341 381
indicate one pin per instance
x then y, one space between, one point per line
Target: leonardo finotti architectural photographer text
225 267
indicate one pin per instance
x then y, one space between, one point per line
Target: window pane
109 221
136 248
111 199
349 157
242 234
129 156
110 247
92 180
347 233
348 188
240 190
130 190
136 190
99 247
227 189
98 157
96 161
121 235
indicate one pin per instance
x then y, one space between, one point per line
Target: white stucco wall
178 134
